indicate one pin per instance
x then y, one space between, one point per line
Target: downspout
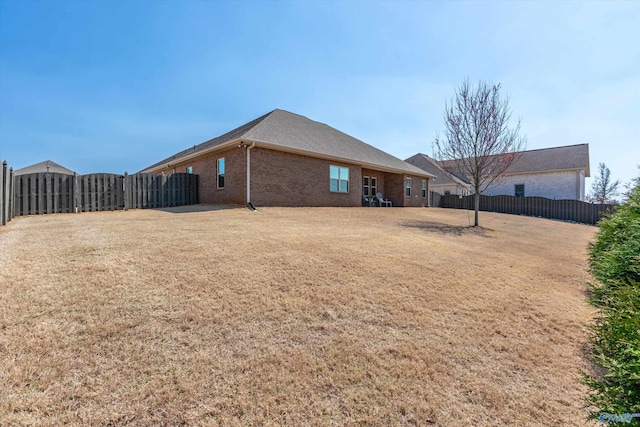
249 204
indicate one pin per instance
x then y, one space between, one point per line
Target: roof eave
264 144
549 171
169 164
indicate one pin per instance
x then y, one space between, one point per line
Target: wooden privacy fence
568 210
45 193
100 192
434 199
160 191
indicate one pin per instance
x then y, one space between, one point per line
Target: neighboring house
444 182
284 159
554 173
46 166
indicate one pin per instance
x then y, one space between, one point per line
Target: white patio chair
369 200
383 201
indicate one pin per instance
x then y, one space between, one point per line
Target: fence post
163 190
76 193
126 190
12 201
48 184
194 189
3 177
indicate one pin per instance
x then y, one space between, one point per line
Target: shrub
615 264
615 255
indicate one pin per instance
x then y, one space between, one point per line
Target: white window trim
366 188
407 179
372 186
339 179
423 189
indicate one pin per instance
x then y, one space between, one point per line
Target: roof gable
282 130
430 165
46 166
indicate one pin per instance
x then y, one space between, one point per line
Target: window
374 185
447 192
338 179
221 173
189 169
519 190
424 188
407 187
365 185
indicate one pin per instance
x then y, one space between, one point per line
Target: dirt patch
299 316
457 230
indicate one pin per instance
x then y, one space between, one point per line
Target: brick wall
416 199
394 188
285 179
234 191
395 185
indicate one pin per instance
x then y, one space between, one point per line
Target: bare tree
602 189
477 140
632 186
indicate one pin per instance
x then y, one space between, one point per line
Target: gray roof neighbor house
282 130
432 166
46 166
556 173
569 157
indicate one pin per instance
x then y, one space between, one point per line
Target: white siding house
554 173
552 185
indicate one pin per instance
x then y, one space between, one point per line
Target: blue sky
114 86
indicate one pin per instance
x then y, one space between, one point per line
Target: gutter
186 157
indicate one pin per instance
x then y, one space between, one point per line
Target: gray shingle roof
570 157
287 131
430 165
46 166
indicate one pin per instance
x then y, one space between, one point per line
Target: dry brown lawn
292 316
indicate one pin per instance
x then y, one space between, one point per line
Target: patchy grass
298 316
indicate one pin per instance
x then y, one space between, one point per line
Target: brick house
284 159
555 173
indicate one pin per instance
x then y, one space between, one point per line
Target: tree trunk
476 201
